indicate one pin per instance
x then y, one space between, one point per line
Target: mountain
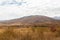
57 17
32 20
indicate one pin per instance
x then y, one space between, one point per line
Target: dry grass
36 33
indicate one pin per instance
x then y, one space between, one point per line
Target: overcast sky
8 11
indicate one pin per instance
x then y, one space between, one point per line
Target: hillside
30 28
32 20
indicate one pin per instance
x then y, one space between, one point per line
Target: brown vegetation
35 33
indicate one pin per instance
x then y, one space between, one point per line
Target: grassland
35 33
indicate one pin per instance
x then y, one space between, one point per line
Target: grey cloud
13 2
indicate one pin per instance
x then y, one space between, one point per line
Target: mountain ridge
33 18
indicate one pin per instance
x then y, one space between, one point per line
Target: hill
36 20
57 17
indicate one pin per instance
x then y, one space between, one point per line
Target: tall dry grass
35 33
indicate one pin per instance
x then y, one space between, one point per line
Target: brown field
35 33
